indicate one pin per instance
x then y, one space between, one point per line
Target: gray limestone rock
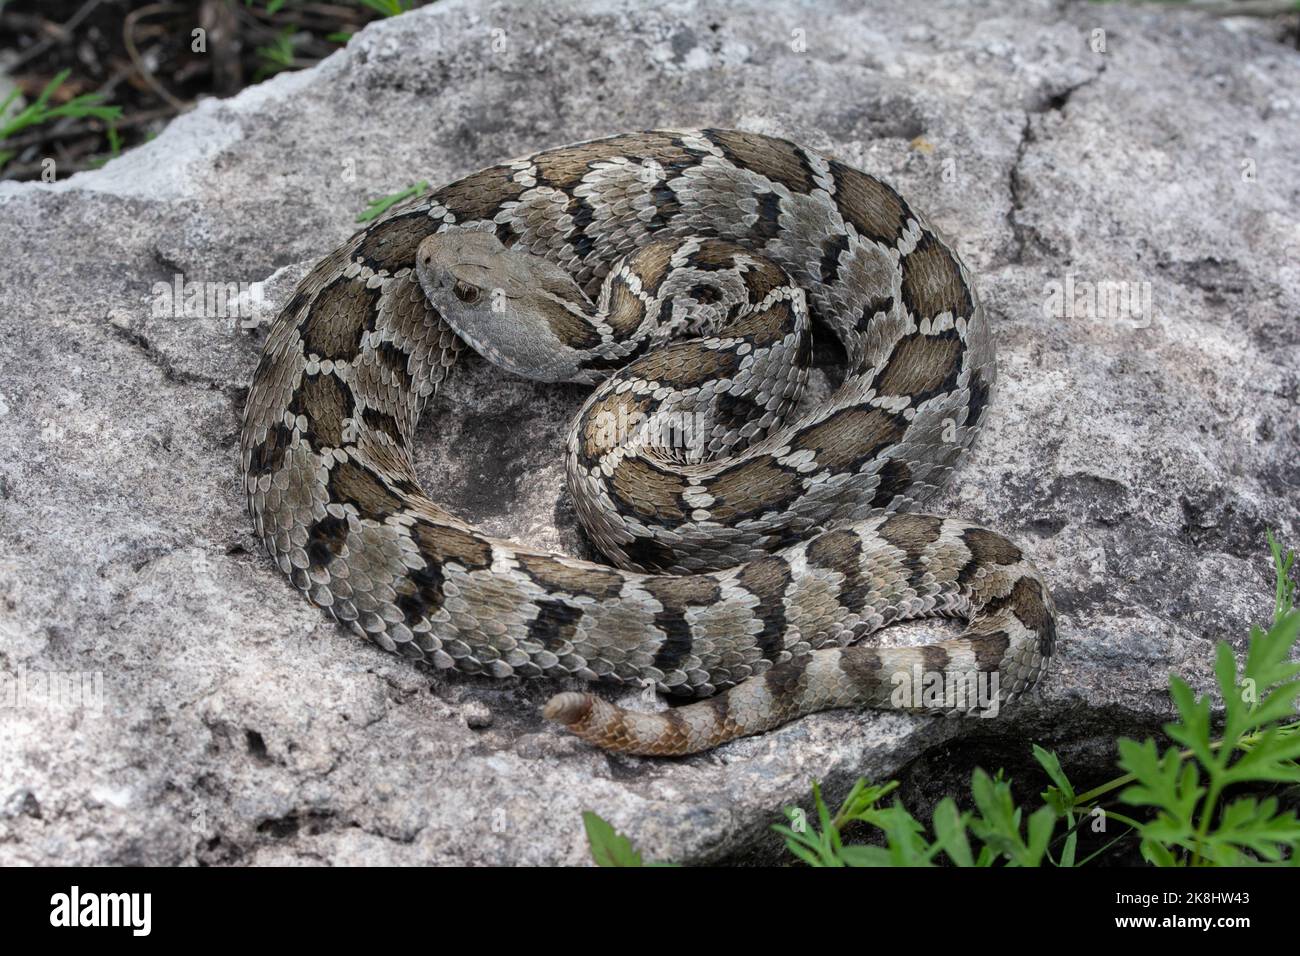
167 698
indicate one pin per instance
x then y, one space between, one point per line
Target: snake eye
465 292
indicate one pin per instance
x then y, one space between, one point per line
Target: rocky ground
165 697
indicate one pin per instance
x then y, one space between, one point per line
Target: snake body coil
684 271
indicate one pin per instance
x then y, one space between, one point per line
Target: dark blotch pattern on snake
756 540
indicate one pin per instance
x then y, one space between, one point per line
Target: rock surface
166 698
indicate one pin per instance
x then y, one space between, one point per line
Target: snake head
519 311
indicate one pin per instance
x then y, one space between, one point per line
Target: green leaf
608 846
1272 759
87 105
1069 850
950 831
1048 760
1042 822
389 8
1267 655
1254 825
904 835
1284 588
867 856
1156 854
48 90
811 857
1160 781
823 813
1193 731
9 101
999 822
381 205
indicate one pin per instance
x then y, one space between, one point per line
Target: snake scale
756 540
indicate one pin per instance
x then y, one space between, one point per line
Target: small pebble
477 715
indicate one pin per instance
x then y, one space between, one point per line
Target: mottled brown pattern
841 551
921 366
565 168
786 680
864 668
651 264
910 533
626 310
1031 606
337 320
326 402
932 282
267 456
990 648
851 436
567 327
360 538
781 162
606 422
443 543
837 551
388 356
874 210
649 491
678 367
481 195
895 479
558 574
751 488
987 548
761 276
656 146
351 483
764 327
679 593
393 248
714 254
383 423
767 579
934 659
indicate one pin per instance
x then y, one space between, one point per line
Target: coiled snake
755 541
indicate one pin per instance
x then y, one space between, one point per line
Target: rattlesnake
752 552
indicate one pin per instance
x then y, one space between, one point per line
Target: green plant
608 846
87 105
1186 788
389 8
998 825
277 55
1183 790
1284 589
114 146
381 205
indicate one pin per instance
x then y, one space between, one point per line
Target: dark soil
146 59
